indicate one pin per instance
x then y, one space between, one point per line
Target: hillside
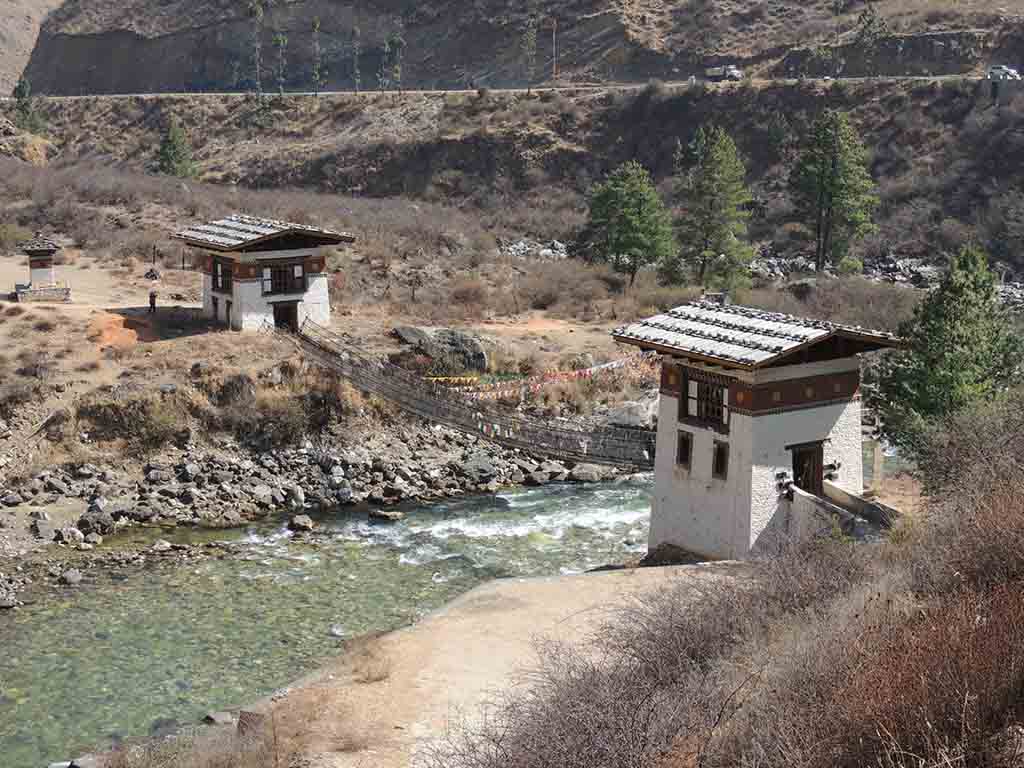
947 160
130 46
18 33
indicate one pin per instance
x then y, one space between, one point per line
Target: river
124 657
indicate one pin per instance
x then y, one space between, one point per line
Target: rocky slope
131 46
19 29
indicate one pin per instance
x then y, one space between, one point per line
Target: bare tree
319 65
256 13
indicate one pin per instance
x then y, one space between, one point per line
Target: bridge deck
613 446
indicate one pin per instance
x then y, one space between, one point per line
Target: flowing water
120 658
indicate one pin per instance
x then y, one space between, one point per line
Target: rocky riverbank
228 485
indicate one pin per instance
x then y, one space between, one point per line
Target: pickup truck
728 72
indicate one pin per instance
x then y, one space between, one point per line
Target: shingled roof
737 336
238 231
39 244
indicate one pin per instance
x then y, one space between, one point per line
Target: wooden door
809 468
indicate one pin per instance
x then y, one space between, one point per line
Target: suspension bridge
611 446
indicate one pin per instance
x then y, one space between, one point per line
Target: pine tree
961 349
630 225
281 43
396 45
713 226
256 13
833 188
529 44
174 157
357 53
319 65
384 66
871 29
25 115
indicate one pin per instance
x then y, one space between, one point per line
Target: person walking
152 301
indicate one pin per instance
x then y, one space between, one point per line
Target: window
720 464
222 276
283 278
705 400
684 449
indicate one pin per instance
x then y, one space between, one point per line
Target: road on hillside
541 89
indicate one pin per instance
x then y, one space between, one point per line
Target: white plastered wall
250 309
42 277
838 424
691 508
316 303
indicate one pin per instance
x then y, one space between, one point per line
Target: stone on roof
735 335
239 231
40 244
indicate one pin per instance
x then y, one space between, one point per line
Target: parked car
1003 72
728 72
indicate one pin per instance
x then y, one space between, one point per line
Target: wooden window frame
687 438
223 275
709 407
720 448
286 279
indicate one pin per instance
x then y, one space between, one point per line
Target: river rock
71 577
337 630
100 504
219 718
162 545
38 514
43 529
69 535
634 414
296 496
537 478
587 473
96 521
12 499
58 486
386 515
480 469
85 761
301 523
190 472
94 538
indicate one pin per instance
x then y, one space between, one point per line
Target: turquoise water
121 656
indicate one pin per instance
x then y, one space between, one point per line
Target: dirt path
446 666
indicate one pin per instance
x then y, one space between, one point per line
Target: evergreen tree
174 157
384 66
961 349
256 13
529 44
396 45
281 43
871 29
319 65
25 115
357 53
629 223
713 225
833 188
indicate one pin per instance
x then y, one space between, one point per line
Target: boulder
69 535
43 529
190 472
296 496
633 414
71 577
480 469
95 521
386 515
587 473
162 545
537 478
301 523
462 348
411 335
58 486
11 499
94 538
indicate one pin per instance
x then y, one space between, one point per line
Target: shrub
148 422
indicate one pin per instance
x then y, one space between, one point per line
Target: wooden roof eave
337 237
848 333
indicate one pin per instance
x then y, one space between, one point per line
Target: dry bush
470 294
44 326
852 300
147 422
15 310
14 395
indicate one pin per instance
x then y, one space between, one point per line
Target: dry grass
367 660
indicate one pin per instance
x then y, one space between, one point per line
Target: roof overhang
238 232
